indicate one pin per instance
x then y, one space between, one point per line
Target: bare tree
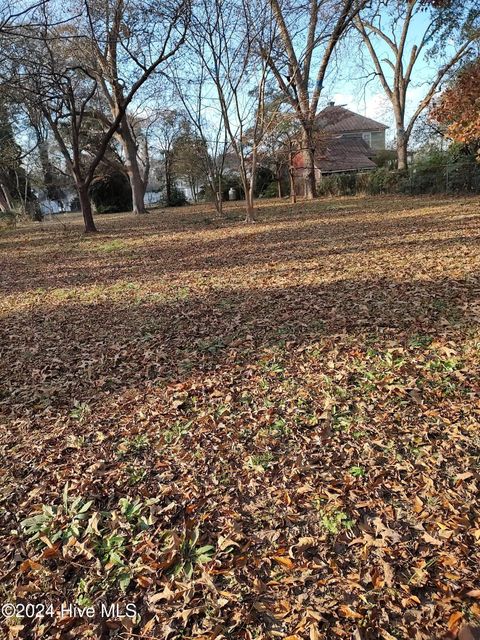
307 36
402 36
206 119
122 40
167 128
17 14
54 74
280 146
225 34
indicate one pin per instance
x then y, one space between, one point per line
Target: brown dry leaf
418 505
303 544
348 612
144 581
31 565
51 551
454 620
431 540
167 594
464 476
285 561
314 633
225 543
334 345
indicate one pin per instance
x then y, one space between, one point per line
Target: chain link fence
462 177
458 177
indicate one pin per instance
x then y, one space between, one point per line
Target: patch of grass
341 420
212 346
260 461
419 341
136 475
273 367
192 555
57 523
280 428
440 366
108 247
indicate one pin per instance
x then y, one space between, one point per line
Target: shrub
330 186
270 191
384 181
386 158
455 170
111 193
374 182
177 198
8 218
363 182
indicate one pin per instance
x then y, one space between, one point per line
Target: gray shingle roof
337 119
342 154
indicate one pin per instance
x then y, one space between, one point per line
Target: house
67 201
345 142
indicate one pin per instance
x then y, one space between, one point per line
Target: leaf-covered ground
246 431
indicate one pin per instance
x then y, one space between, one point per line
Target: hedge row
461 177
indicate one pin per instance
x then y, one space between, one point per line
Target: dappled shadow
185 295
147 251
253 382
79 350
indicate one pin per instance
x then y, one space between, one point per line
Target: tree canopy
458 108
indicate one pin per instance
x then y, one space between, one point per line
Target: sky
346 85
348 88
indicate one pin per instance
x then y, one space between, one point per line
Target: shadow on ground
76 350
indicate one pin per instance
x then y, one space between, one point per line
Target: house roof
341 154
338 119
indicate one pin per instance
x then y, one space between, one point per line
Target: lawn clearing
245 431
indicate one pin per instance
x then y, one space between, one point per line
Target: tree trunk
218 195
217 203
168 179
137 184
86 207
293 194
249 208
279 187
291 173
309 160
5 198
402 156
249 186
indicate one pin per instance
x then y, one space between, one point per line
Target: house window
367 136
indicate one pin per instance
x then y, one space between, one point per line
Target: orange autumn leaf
454 620
348 612
284 561
458 109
